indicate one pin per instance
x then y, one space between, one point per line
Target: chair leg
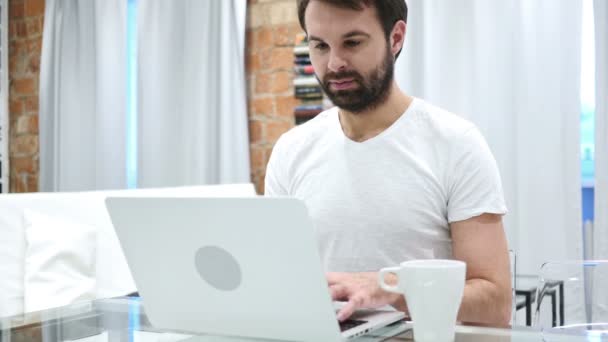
553 309
528 310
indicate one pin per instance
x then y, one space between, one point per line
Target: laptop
245 267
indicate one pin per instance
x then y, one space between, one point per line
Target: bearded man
387 177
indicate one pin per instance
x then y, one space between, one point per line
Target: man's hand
360 290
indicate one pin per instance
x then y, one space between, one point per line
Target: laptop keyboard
349 324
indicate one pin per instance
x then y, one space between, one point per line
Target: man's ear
397 37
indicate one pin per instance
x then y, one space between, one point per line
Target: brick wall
272 26
25 45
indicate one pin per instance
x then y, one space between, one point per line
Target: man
387 177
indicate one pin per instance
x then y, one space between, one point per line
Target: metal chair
562 297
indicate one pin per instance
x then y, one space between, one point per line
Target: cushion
113 277
12 252
59 261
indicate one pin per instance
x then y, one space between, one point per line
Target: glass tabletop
124 319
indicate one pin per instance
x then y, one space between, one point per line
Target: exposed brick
263 106
26 20
268 154
15 107
19 48
263 83
283 12
32 183
250 80
16 9
34 45
24 182
274 129
282 58
265 58
260 185
24 145
23 86
32 26
255 131
24 165
285 106
258 158
282 81
258 179
34 7
263 38
252 62
280 18
34 65
20 29
27 124
13 129
31 104
256 15
18 183
12 32
285 34
13 64
249 35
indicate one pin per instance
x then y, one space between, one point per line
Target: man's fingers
347 310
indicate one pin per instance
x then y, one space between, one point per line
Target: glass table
124 319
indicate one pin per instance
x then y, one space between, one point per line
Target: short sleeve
474 185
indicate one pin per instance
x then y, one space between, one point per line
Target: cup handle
383 272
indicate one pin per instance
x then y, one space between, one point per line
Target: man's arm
481 243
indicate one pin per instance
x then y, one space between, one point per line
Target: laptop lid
227 266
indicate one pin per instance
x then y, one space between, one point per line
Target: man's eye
321 46
352 43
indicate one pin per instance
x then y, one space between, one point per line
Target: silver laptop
232 266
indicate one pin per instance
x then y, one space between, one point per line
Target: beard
371 91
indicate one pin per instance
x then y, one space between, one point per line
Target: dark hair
389 11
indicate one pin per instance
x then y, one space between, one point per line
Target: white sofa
57 248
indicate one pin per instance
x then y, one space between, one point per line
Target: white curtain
513 68
82 95
600 311
193 126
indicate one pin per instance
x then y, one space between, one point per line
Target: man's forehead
323 19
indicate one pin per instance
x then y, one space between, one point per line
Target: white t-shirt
390 198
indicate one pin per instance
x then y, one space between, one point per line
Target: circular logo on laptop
218 268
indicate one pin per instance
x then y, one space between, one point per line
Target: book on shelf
310 106
301 60
306 86
310 96
308 92
307 112
301 50
304 69
308 89
301 39
305 81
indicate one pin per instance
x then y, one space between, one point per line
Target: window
588 110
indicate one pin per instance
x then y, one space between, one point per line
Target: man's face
350 55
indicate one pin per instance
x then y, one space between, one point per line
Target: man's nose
336 62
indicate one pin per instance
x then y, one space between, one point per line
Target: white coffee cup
433 291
